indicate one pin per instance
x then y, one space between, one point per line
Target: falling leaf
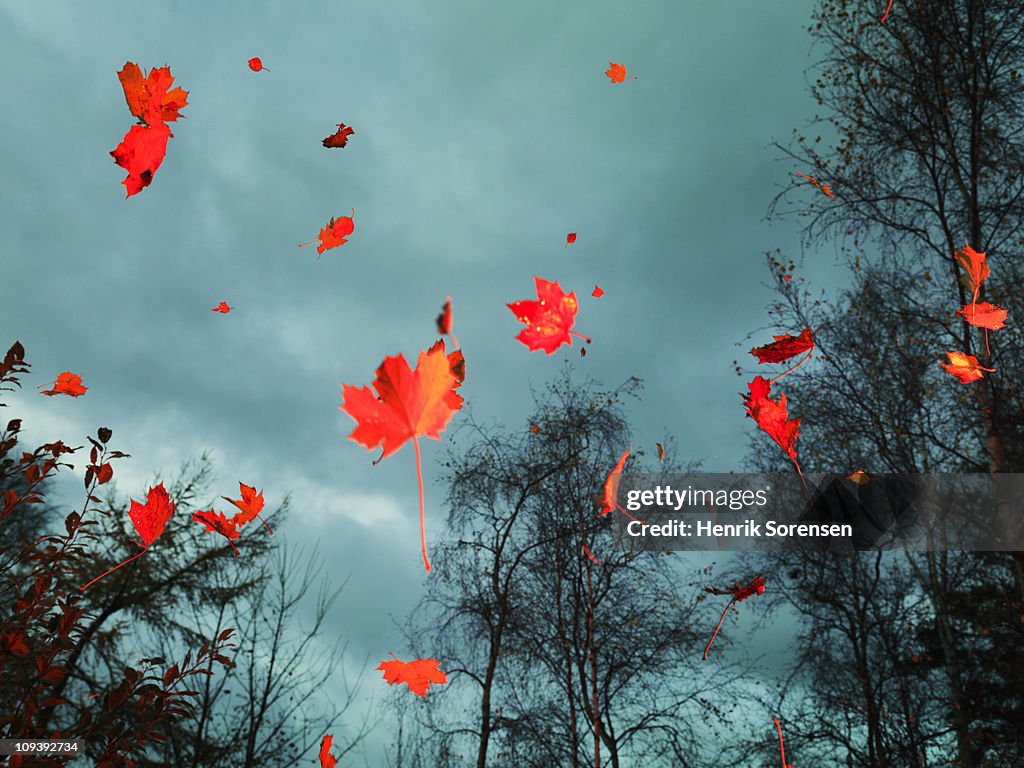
334 234
444 321
964 367
661 451
597 293
975 267
141 152
216 522
149 520
771 416
610 492
570 238
256 65
408 404
785 347
251 505
67 383
860 477
418 674
150 100
223 308
142 149
340 137
617 72
535 429
549 320
326 759
827 191
739 594
984 315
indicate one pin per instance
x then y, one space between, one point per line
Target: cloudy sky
484 133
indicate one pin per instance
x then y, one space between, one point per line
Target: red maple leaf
418 674
141 152
150 99
334 234
570 238
739 594
142 149
549 320
223 308
597 293
975 267
251 505
256 65
785 347
149 520
617 72
444 321
408 404
340 137
67 383
964 367
216 522
984 315
326 758
771 416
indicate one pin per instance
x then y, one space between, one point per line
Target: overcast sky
484 133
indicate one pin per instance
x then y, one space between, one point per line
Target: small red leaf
334 233
418 675
223 308
597 292
256 65
216 522
326 759
251 505
570 238
67 383
549 320
340 137
617 72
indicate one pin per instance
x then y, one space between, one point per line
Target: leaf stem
717 627
786 373
144 551
419 480
585 338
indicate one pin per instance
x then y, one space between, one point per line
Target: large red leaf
408 404
549 320
771 416
984 315
141 152
975 267
149 520
150 99
785 347
964 367
418 674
